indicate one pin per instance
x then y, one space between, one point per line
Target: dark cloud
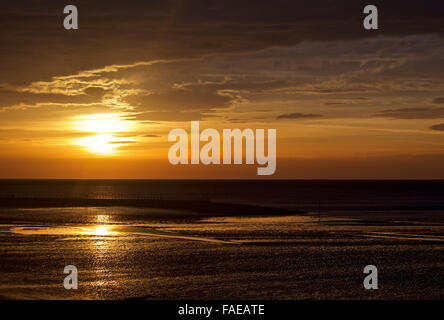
180 100
250 85
333 103
298 116
412 113
438 127
10 98
170 116
34 44
213 55
94 92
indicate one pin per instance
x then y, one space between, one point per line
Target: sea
287 239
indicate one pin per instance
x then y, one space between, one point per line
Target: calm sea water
292 194
124 252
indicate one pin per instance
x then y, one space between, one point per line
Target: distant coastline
202 207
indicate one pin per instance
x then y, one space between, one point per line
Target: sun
105 141
104 123
102 231
101 144
99 230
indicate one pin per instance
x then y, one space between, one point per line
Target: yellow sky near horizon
98 96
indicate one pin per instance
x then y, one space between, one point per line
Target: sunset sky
98 102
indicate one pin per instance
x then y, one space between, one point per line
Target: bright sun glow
106 126
101 144
99 230
102 231
103 123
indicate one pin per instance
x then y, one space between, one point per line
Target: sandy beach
143 253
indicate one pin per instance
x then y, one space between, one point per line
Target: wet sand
125 253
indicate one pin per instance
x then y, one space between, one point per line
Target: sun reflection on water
102 231
99 230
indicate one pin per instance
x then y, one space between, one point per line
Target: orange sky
99 102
